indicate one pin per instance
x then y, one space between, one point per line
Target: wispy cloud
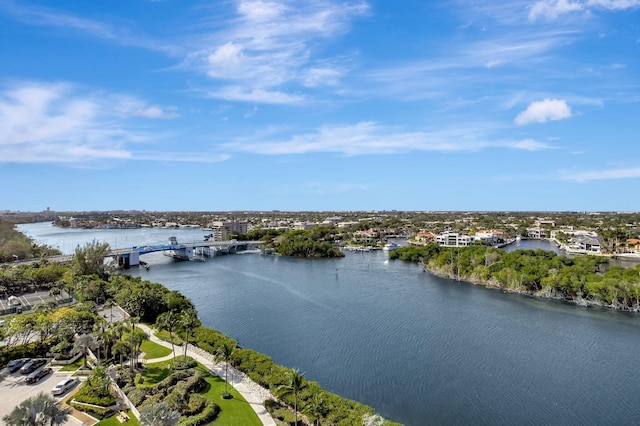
543 111
497 61
623 173
270 47
60 123
53 17
552 9
371 138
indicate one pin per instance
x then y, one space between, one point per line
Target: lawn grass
73 366
166 336
153 350
113 420
233 412
156 372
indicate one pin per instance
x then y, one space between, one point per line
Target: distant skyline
164 105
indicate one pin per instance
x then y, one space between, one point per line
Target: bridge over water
198 251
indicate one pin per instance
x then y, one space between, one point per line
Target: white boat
390 247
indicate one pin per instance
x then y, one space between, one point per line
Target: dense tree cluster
16 246
313 243
583 279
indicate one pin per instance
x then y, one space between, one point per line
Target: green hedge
207 415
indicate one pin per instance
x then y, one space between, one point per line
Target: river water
418 348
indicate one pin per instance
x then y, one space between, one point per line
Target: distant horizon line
6 211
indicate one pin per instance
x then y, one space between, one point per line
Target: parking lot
14 390
27 301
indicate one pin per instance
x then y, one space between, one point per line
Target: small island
312 243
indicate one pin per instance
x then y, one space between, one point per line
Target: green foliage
262 234
89 259
145 299
90 393
261 369
312 243
41 409
14 244
184 362
31 350
208 414
584 279
98 412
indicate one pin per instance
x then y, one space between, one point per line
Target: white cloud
552 9
57 123
155 111
530 145
370 138
543 111
626 173
271 45
256 95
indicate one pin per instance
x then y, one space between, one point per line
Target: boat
390 247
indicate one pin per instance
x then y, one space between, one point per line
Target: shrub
88 394
183 363
137 396
206 416
99 412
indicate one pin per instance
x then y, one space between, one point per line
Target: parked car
16 364
32 365
38 374
64 385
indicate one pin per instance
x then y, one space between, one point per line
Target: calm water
419 349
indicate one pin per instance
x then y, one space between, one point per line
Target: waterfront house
588 243
537 233
632 245
488 237
453 239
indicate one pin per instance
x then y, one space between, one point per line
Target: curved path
253 393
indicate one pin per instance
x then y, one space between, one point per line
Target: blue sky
320 105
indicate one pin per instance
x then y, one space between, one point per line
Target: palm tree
40 410
294 385
99 380
135 341
225 354
159 414
316 408
109 305
120 348
188 321
169 321
83 344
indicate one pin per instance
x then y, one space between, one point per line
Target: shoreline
494 286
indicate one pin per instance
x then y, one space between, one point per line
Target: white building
453 239
489 237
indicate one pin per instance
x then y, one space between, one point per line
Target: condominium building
222 229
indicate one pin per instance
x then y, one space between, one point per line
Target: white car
64 386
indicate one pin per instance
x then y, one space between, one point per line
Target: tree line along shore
49 328
584 280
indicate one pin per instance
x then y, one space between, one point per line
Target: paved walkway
253 393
